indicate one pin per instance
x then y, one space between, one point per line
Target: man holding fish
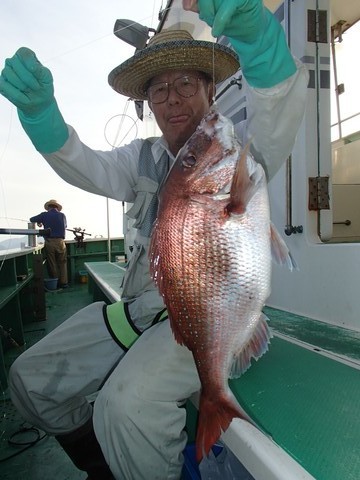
136 428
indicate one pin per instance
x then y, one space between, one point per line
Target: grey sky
75 40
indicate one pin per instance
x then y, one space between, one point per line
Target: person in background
55 247
135 431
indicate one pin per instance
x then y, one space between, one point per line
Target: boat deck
306 402
303 393
26 453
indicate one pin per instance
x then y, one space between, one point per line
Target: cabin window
345 132
345 96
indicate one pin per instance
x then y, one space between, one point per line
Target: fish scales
210 257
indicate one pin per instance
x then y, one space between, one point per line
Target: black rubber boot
84 450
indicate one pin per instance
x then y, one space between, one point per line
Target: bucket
83 276
220 463
51 283
190 469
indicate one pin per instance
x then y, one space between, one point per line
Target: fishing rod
45 232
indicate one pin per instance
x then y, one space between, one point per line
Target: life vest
151 176
137 278
120 325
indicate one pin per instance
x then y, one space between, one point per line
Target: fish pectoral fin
280 251
255 348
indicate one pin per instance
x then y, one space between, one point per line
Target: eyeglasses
186 86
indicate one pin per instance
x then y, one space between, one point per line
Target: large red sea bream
210 256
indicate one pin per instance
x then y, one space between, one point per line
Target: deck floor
306 402
26 453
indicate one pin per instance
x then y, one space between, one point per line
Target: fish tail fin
280 252
215 417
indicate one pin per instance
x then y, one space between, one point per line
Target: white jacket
273 119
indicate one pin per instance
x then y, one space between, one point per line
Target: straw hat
52 202
172 50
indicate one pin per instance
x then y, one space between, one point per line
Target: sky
75 40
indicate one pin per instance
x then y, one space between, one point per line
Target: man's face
178 116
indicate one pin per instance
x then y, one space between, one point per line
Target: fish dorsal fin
241 186
255 348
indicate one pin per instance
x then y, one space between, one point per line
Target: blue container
225 465
191 467
51 283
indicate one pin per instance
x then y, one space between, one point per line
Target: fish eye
189 161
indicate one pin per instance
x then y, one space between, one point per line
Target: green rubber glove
256 36
29 86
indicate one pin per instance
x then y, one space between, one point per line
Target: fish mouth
189 161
